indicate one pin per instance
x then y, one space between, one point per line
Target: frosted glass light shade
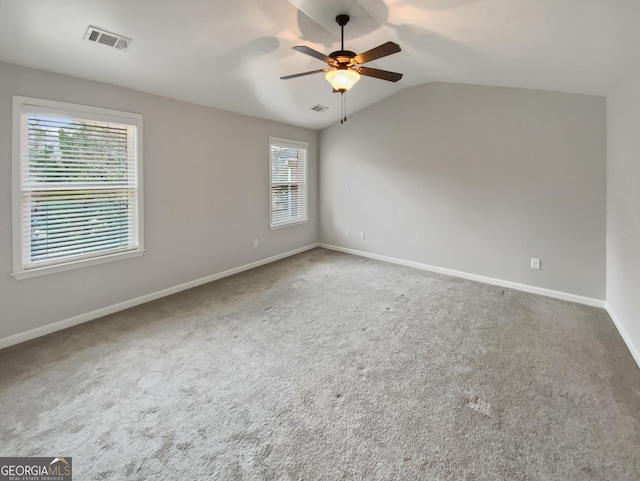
342 79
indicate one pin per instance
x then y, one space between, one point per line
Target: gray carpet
326 366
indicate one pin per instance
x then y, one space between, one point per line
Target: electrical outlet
255 243
535 263
361 234
347 233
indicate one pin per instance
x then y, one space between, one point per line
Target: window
288 182
77 189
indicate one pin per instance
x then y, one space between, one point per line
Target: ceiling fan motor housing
343 58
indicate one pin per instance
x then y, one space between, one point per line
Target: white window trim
296 145
88 113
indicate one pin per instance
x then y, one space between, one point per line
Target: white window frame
22 106
295 144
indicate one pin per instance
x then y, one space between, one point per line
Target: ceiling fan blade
313 53
377 52
381 74
287 77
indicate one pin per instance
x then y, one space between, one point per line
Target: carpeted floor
326 366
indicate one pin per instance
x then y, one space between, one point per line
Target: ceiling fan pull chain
345 108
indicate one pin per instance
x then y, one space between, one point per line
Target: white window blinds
288 182
79 186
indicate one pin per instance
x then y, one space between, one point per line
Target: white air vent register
110 39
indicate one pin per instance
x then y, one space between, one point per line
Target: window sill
288 224
44 270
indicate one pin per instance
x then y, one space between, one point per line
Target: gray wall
475 179
206 186
623 210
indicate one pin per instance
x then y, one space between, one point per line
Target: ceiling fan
345 66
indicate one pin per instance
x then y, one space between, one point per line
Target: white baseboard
90 316
635 352
473 277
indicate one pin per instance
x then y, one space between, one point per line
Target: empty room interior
320 239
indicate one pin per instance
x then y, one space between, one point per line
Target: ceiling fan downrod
342 20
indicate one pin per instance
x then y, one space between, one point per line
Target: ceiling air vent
319 108
95 34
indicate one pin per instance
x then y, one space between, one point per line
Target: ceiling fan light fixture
342 79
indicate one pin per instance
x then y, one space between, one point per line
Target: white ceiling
230 54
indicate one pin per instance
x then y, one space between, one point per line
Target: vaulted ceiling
230 54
